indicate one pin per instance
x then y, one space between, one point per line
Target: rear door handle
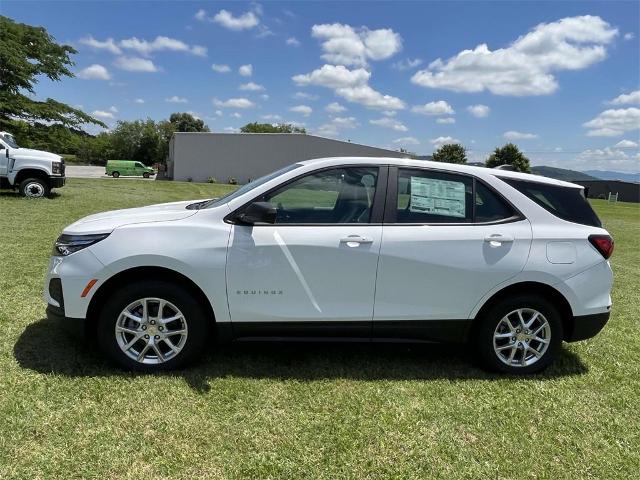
497 239
355 240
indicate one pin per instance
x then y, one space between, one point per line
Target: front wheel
520 335
34 188
152 326
145 175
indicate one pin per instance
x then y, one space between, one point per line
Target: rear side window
490 207
564 202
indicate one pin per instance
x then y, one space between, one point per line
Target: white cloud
103 114
246 70
333 128
389 113
231 130
302 109
234 103
446 120
220 68
391 123
606 159
434 108
176 99
246 21
407 64
304 96
614 122
346 45
264 96
352 85
629 36
251 87
513 135
219 113
272 117
526 66
626 144
135 64
443 141
335 107
345 122
631 98
333 76
201 15
139 101
113 109
159 44
109 44
94 72
293 41
236 115
407 141
479 110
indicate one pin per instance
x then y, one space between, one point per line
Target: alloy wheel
151 331
522 337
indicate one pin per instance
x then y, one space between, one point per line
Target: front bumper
57 182
587 326
75 326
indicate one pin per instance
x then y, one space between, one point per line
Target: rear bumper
75 326
587 326
57 182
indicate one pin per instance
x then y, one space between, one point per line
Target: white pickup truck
33 172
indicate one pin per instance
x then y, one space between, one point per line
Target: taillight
603 243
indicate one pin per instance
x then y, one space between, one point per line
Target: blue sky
560 79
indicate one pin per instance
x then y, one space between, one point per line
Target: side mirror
258 212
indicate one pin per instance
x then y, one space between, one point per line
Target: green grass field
301 411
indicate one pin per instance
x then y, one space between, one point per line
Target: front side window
433 197
9 140
338 195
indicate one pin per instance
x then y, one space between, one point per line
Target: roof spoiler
505 166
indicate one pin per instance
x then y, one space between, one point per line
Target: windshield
250 186
8 139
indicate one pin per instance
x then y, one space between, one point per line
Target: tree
185 122
256 127
510 154
450 153
27 53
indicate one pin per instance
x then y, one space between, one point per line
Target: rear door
313 272
448 239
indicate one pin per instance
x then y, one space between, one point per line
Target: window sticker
438 197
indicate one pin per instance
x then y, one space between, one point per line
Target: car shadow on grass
45 348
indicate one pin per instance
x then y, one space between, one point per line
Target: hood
108 221
31 153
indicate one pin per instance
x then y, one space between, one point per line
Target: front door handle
497 239
355 240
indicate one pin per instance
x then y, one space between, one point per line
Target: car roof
452 167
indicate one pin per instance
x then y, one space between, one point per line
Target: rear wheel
34 188
115 174
520 335
152 326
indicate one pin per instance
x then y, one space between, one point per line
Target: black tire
34 188
488 325
194 316
115 174
145 175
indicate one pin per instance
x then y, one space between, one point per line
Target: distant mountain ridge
562 174
611 175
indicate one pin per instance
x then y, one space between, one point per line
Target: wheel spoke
511 327
541 340
523 360
143 352
541 327
532 319
133 341
520 319
512 354
504 335
170 345
175 332
158 352
170 319
132 317
535 352
505 347
127 330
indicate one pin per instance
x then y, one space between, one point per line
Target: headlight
56 168
68 244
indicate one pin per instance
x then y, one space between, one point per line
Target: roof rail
506 166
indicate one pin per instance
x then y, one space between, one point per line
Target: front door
448 240
313 272
4 160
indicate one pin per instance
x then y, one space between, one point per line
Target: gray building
244 156
627 191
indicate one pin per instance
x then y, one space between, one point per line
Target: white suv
361 248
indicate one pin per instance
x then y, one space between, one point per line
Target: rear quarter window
566 203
